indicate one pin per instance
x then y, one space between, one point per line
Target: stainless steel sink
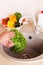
34 49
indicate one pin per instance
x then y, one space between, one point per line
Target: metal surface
33 51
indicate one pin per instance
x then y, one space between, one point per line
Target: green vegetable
18 15
19 42
17 24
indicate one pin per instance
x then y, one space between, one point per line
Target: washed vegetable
10 24
7 19
12 18
18 15
19 42
12 21
4 21
17 24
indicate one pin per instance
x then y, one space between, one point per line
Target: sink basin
33 51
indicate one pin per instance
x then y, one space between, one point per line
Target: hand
5 39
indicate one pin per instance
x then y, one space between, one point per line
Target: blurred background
23 6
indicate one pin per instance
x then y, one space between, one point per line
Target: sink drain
30 37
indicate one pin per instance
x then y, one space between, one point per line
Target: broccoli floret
18 15
19 42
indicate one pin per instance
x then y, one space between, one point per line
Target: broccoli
19 42
18 15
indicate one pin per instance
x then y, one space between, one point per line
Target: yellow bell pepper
11 24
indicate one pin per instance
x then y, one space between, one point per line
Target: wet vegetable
10 24
17 24
19 42
18 15
12 21
13 18
4 21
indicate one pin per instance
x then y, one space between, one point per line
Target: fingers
8 44
11 44
11 34
8 35
5 43
5 40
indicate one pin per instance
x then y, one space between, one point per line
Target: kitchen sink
33 51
